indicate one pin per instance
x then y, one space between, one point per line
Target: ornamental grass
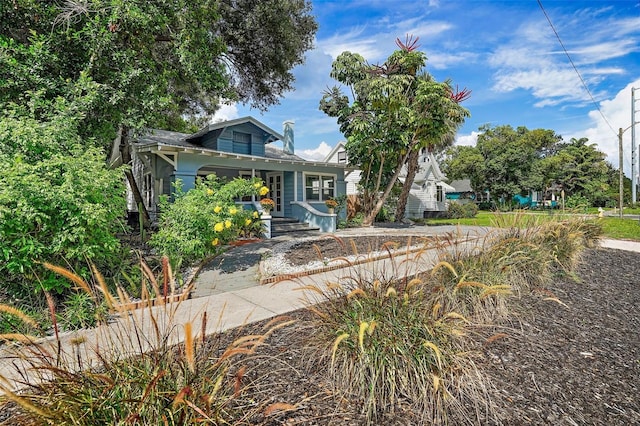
389 341
144 368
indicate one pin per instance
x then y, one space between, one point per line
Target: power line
584 84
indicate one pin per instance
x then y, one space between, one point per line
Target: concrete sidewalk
621 245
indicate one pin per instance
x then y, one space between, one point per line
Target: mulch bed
575 363
332 247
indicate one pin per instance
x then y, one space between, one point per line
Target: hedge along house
236 148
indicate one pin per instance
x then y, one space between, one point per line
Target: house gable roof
270 135
340 146
461 185
429 170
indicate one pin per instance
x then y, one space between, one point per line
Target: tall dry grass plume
144 367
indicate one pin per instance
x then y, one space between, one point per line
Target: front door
274 183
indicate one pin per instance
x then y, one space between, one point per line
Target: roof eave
160 147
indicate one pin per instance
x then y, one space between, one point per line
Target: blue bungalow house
237 148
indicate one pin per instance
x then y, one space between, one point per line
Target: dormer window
241 137
241 143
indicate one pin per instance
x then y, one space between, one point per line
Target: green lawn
627 229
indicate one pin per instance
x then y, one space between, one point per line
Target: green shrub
80 310
65 210
577 202
200 221
486 206
460 211
356 220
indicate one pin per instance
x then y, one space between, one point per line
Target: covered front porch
298 188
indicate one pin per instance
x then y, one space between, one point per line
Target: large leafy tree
508 161
395 110
127 65
502 160
582 170
150 58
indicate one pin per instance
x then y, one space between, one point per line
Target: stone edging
345 264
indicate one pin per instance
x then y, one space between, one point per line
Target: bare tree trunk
368 220
125 153
412 169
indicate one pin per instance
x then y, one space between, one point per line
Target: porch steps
287 225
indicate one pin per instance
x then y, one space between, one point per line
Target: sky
505 52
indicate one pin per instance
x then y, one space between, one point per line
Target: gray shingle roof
166 137
462 185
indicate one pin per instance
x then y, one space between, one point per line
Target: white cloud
225 113
618 114
534 61
376 40
317 154
445 60
313 77
552 86
352 41
467 140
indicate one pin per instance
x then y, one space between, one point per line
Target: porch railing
305 212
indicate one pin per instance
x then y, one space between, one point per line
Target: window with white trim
319 187
439 193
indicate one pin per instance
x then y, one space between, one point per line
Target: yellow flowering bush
264 191
200 221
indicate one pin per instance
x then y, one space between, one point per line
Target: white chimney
288 146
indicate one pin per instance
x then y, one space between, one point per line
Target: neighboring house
427 197
428 192
338 155
236 148
540 199
462 192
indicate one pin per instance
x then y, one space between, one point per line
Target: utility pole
634 172
620 174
